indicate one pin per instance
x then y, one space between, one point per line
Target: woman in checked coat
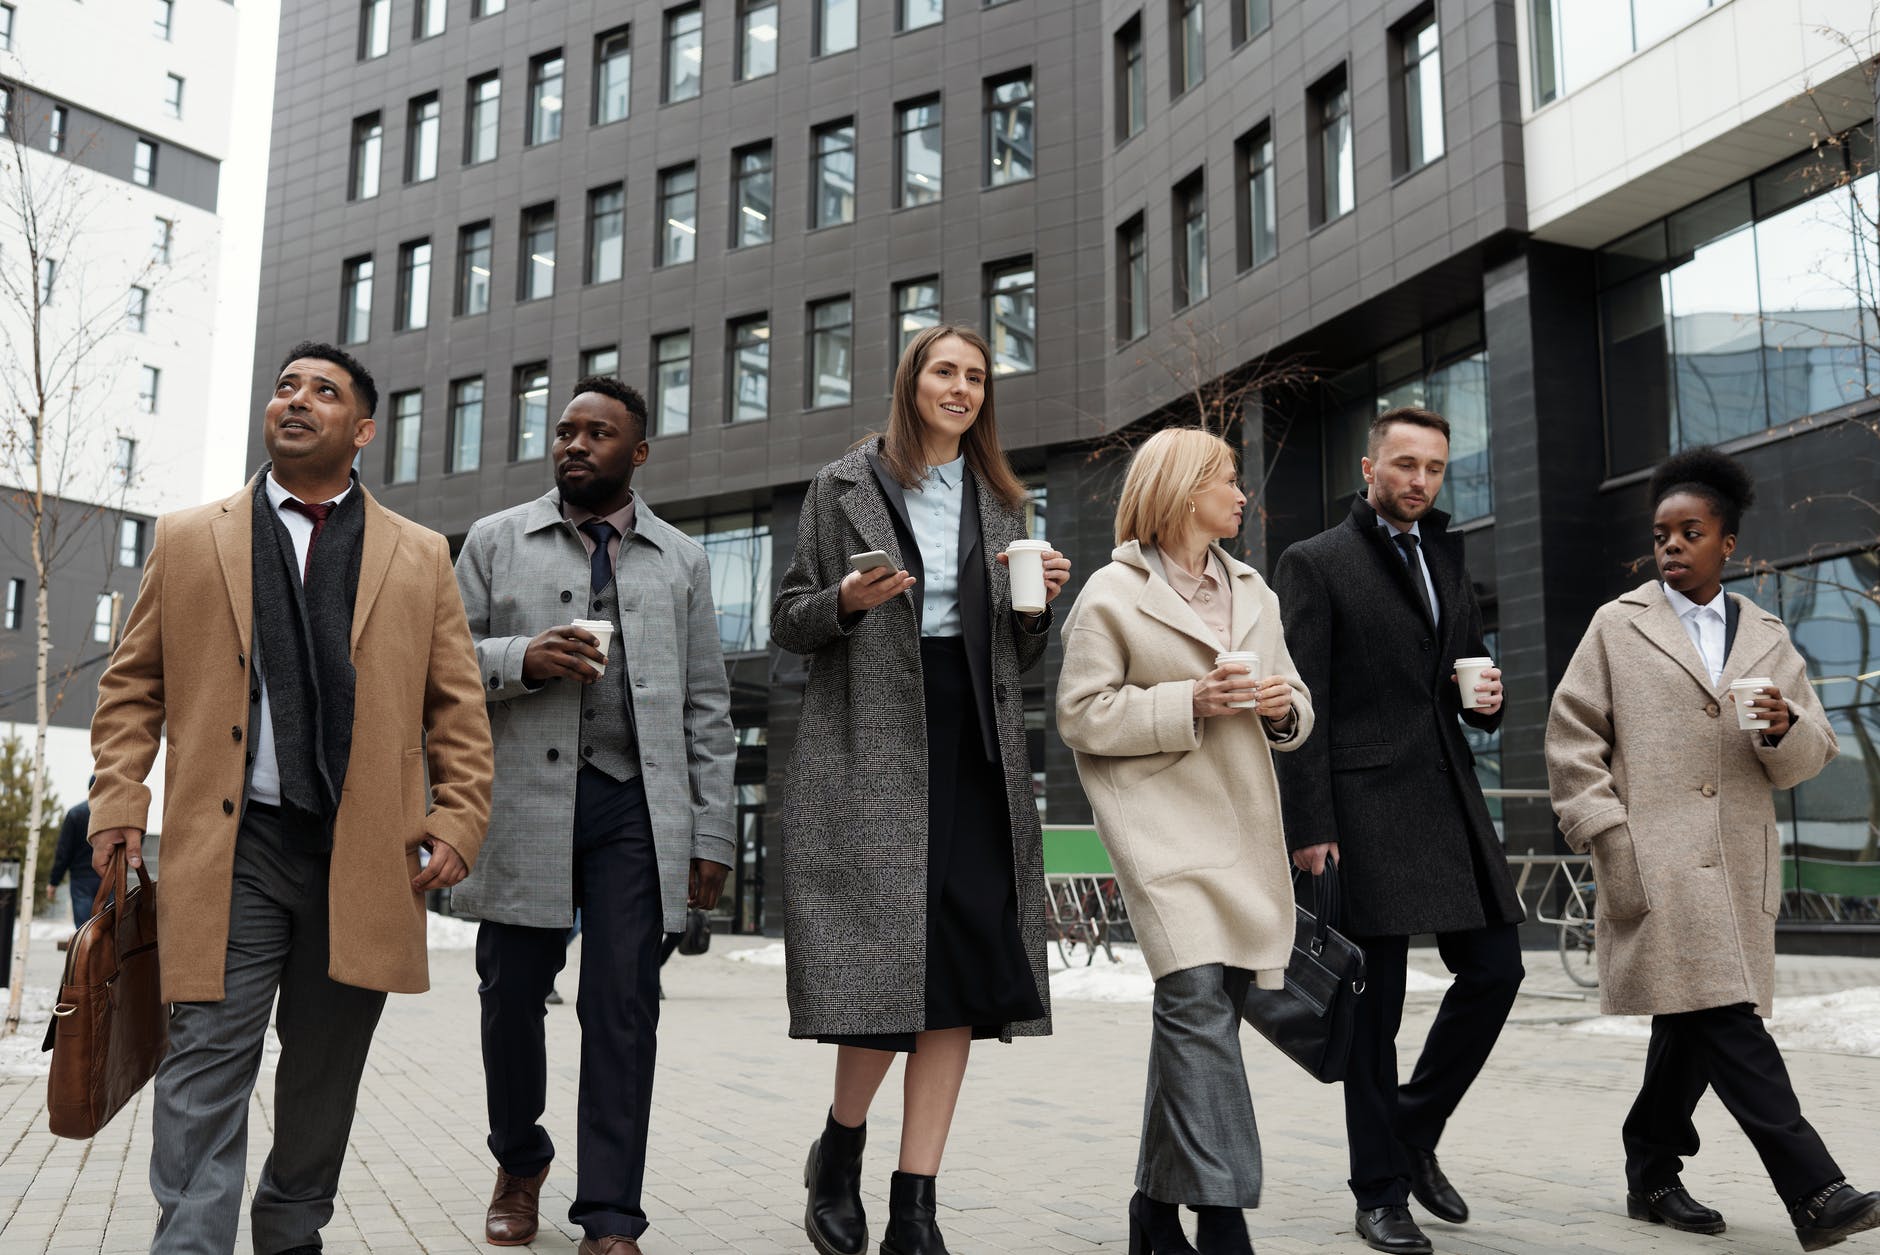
1650 772
913 858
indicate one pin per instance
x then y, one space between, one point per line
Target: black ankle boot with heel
911 1228
834 1219
1156 1228
1222 1231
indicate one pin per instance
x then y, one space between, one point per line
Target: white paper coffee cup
1252 662
603 631
1742 692
1468 675
1025 560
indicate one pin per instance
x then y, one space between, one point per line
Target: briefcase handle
1326 904
116 882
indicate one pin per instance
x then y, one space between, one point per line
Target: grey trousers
1199 1144
277 943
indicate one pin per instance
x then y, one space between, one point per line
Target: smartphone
863 562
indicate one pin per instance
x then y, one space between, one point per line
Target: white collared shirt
1706 627
1391 532
264 782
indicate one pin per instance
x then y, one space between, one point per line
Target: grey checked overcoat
525 570
855 810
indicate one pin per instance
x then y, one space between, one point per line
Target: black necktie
601 563
1407 541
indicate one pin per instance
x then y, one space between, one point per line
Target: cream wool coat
1649 771
1188 810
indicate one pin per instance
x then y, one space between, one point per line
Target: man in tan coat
306 651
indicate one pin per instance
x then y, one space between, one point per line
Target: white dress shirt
1391 532
264 782
1705 626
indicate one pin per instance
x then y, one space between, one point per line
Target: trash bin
9 914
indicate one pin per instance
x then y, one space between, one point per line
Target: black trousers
616 883
1727 1049
1381 1119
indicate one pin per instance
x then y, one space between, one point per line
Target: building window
1418 136
414 285
1191 240
916 308
429 19
1250 18
606 226
6 28
402 457
474 254
173 95
601 361
672 383
749 341
834 149
751 176
831 338
130 547
1012 316
149 382
1132 80
355 313
545 83
1333 165
685 52
1574 42
465 449
48 279
423 118
162 236
55 130
137 310
917 152
487 8
738 552
1256 208
368 141
102 617
835 26
1187 58
914 14
757 38
16 594
538 253
1008 129
531 422
144 164
375 28
482 118
613 75
124 461
678 215
1132 280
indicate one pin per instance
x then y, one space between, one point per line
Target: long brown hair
902 449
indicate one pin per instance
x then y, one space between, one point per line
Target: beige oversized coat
184 671
1650 772
1189 810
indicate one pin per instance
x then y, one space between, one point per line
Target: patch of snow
447 932
1126 980
54 929
757 956
20 1054
1415 982
1847 1022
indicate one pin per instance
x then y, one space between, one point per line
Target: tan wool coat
183 671
1188 809
1649 771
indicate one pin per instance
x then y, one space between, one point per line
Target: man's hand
864 590
108 840
1487 690
705 884
52 892
563 651
1218 690
1312 857
446 867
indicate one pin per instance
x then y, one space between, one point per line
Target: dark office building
1292 214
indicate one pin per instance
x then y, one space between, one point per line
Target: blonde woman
1175 754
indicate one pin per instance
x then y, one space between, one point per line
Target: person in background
74 856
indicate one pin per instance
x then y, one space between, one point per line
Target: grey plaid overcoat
855 809
525 570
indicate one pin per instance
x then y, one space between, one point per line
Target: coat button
1709 790
241 660
597 605
1442 764
228 807
566 595
553 754
1424 646
496 681
254 695
998 692
236 733
1711 710
587 751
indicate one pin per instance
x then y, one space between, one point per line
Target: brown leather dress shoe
613 1244
514 1206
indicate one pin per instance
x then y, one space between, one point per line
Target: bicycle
1576 935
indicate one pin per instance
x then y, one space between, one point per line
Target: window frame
395 445
529 262
1254 160
1408 65
466 268
144 157
527 374
740 179
659 397
735 330
474 125
365 165
1189 214
900 311
416 126
815 334
663 254
1332 88
1132 279
408 300
820 35
903 136
1131 79
992 108
375 29
671 35
819 170
538 119
747 11
357 274
602 60
173 100
454 447
1184 76
990 283
591 269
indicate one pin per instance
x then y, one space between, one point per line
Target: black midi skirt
978 975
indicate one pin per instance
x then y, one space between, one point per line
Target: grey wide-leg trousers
1199 1144
277 943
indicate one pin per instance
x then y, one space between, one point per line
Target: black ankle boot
1835 1212
1222 1231
1156 1228
834 1220
911 1230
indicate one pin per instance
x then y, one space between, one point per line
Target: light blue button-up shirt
933 510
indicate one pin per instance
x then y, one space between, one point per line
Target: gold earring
1191 507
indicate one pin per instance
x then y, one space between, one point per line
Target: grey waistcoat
607 740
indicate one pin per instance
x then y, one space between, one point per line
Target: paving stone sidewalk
1042 1154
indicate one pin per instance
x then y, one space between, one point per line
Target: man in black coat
74 856
1377 609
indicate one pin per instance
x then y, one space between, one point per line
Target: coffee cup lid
590 624
1040 546
1235 655
1475 662
1751 680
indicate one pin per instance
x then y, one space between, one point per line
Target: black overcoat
1388 774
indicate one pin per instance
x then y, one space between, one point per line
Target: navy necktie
1407 541
601 563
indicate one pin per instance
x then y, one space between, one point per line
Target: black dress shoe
911 1228
834 1219
1672 1205
1834 1213
1392 1229
1156 1228
1222 1231
1432 1188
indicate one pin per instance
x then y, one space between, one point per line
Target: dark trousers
616 883
1200 1145
1381 1119
84 891
1729 1050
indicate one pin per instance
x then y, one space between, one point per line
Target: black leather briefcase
1311 1018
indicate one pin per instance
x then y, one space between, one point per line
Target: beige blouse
1209 595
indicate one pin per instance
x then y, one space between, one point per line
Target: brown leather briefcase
110 1028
